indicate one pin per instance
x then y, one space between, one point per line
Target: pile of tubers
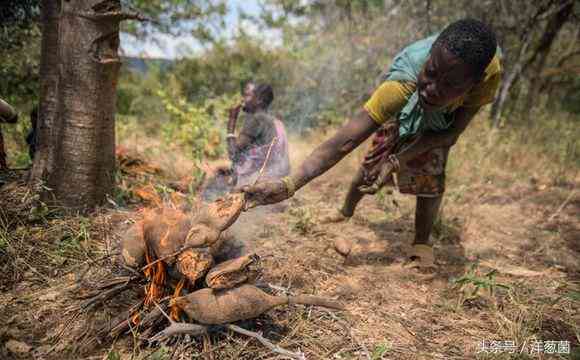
186 245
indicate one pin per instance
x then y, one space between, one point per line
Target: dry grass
509 208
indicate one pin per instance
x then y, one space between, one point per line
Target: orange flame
136 318
158 286
149 194
175 310
156 274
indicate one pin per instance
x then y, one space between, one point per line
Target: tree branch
273 347
179 328
103 296
568 57
163 258
113 16
549 13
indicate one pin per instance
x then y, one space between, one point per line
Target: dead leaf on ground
17 347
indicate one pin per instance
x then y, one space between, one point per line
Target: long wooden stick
561 207
182 249
273 347
179 328
261 172
248 205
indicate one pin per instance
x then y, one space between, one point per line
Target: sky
165 46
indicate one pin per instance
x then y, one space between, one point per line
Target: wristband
290 186
230 135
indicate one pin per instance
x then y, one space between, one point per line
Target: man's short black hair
470 40
264 92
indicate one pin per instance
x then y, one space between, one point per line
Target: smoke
327 73
333 64
322 78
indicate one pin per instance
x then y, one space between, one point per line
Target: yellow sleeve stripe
484 92
388 100
373 114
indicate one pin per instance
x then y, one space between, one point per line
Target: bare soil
524 234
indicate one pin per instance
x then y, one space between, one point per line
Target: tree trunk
519 63
549 85
553 27
47 125
507 84
80 170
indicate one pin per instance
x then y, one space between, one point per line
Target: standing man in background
248 150
432 91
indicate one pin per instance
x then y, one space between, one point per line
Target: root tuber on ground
208 306
343 246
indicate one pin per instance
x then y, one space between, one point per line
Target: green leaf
113 355
380 351
573 295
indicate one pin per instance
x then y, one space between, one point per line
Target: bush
196 128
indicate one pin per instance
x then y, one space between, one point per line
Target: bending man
432 91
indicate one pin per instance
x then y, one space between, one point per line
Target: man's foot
420 256
335 217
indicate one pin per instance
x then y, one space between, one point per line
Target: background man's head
257 96
457 61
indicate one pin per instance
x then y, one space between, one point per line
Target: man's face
443 79
250 101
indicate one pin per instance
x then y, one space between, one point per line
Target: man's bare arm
7 113
239 143
431 140
325 156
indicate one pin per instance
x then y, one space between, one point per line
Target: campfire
184 290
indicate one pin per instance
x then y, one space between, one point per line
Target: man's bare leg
353 197
426 212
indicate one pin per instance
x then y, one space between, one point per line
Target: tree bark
79 137
571 52
47 126
507 84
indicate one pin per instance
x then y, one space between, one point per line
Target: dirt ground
507 250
